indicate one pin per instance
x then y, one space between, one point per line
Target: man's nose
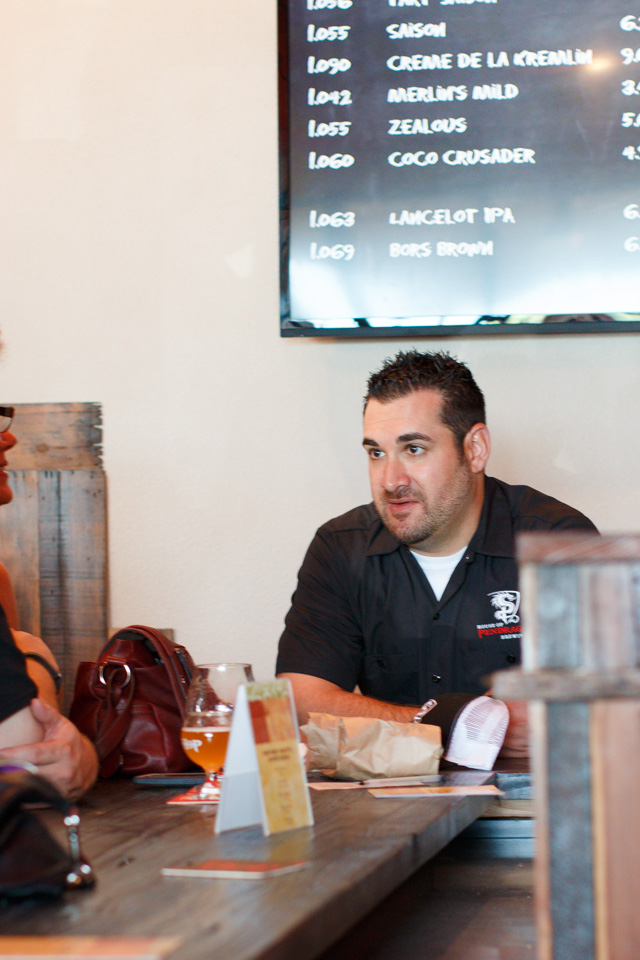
395 475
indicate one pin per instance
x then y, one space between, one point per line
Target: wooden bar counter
359 851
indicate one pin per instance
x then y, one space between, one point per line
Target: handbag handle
176 659
113 724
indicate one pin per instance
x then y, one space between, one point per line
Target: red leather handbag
130 703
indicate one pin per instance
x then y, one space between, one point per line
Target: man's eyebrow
409 437
403 438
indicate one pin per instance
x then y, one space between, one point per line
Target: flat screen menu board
451 162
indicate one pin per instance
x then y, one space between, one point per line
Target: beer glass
207 721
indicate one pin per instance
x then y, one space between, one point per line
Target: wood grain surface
360 850
57 436
53 533
581 670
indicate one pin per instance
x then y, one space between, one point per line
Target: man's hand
64 755
516 741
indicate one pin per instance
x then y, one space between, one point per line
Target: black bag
32 862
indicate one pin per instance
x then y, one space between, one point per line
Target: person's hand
64 755
516 741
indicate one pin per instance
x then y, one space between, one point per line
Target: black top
16 688
364 612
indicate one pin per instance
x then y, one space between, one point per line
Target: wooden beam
57 436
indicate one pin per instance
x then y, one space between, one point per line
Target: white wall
139 268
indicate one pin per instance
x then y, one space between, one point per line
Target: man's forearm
313 695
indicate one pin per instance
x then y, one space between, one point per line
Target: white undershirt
438 570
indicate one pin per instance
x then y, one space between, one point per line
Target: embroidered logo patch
506 604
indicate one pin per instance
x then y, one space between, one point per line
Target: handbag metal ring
124 666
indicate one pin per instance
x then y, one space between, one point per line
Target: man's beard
431 520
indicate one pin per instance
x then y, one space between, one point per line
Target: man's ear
477 447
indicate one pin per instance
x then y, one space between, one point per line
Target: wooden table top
360 850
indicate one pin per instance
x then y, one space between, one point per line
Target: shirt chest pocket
391 677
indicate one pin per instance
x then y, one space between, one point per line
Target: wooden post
581 670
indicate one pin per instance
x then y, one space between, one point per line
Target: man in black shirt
416 594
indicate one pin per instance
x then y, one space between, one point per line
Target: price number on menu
632 244
630 56
329 4
334 161
631 119
631 211
332 128
337 251
631 153
330 65
630 88
339 218
318 98
328 34
630 22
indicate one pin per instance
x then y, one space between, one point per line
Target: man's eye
373 453
414 449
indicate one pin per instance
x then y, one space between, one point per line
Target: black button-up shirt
364 613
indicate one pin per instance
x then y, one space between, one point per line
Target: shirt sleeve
16 688
323 636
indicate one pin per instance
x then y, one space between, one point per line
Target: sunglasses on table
6 416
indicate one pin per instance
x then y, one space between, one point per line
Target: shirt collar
493 536
381 540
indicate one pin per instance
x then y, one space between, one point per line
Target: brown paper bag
362 748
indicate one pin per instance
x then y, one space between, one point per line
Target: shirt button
436 616
511 658
436 678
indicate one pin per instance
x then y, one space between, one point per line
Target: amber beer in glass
207 722
206 746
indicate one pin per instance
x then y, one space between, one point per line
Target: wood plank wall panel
52 616
570 839
57 436
615 748
581 654
542 865
83 563
53 535
20 546
53 543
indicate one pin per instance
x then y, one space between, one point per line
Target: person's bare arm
313 695
60 752
41 735
20 728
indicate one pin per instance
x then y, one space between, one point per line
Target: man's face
422 485
7 441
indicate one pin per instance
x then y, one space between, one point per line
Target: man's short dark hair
462 399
